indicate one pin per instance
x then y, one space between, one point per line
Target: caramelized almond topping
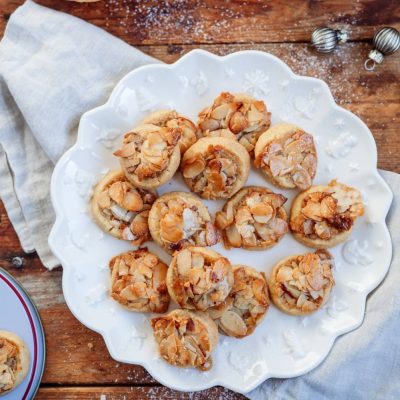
236 116
126 209
138 281
303 282
245 306
291 160
182 224
183 339
325 214
148 154
200 280
212 174
9 364
253 218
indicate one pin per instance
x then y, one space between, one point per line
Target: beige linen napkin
53 68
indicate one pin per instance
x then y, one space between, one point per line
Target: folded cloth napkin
365 363
53 67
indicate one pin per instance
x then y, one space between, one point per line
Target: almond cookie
14 361
172 119
122 210
323 216
215 167
236 116
300 285
246 305
253 219
186 339
138 281
199 278
180 219
287 156
150 155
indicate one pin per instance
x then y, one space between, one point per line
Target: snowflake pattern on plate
238 362
107 138
200 83
137 337
335 306
356 252
341 145
82 180
256 83
305 106
96 294
292 345
146 101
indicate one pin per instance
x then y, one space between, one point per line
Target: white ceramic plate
282 346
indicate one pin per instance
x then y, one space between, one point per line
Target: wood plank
132 393
219 21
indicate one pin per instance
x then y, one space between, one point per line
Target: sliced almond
233 236
209 125
197 260
194 168
104 200
238 122
116 192
212 234
184 262
132 201
128 150
233 324
220 112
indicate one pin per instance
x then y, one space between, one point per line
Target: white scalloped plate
282 346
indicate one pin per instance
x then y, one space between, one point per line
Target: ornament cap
376 56
342 36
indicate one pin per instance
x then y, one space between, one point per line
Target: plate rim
333 104
16 282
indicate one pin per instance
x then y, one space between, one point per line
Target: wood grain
132 393
219 21
78 364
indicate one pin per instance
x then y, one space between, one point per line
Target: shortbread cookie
14 361
253 219
186 339
180 219
150 155
172 119
246 305
287 156
199 278
122 210
138 281
323 216
236 116
301 284
215 167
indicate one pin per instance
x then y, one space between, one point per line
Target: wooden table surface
78 365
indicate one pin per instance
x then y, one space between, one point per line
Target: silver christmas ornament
386 41
326 39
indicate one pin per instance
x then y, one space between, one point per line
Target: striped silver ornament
326 39
386 41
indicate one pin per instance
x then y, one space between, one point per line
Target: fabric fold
53 68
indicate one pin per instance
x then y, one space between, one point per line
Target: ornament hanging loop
369 64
